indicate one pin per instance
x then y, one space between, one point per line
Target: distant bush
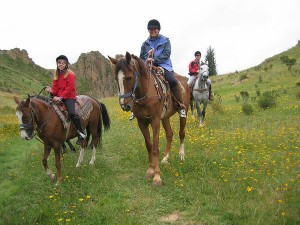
237 98
298 95
217 103
247 109
243 77
298 83
245 96
288 62
260 79
267 100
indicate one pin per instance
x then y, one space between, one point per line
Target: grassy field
239 169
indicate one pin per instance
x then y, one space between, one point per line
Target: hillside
20 75
271 75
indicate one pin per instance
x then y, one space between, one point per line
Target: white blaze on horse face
23 132
121 85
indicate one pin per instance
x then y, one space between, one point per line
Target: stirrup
82 135
182 113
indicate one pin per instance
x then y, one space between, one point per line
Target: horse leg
58 164
169 136
144 127
94 144
71 146
64 147
182 136
202 115
80 158
49 173
192 104
155 124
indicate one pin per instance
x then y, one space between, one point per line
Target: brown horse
150 100
37 116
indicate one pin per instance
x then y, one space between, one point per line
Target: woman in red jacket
64 89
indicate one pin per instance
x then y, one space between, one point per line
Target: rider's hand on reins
57 99
49 89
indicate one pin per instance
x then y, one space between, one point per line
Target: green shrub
237 98
267 100
243 77
247 109
217 103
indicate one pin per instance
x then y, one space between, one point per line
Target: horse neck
41 111
144 84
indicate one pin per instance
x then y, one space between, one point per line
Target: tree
210 58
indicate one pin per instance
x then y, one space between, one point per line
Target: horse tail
105 116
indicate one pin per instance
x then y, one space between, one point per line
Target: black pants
169 76
70 104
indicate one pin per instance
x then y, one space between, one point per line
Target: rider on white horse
194 71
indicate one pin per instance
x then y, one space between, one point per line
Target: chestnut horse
151 101
37 116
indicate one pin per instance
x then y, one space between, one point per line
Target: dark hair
63 57
197 53
153 24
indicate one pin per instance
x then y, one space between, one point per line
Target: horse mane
142 65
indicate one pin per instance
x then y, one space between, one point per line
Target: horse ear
26 103
128 57
113 60
17 100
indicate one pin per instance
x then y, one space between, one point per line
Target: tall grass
238 170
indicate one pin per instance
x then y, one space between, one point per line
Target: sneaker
132 116
182 113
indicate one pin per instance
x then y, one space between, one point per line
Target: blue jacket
162 51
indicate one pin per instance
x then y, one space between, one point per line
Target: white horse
201 93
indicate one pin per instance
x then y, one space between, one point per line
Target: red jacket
65 86
193 67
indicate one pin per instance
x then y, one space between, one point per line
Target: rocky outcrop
17 53
94 72
94 75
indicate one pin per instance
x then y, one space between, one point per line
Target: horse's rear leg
49 173
169 136
80 158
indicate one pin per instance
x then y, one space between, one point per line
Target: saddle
83 107
158 73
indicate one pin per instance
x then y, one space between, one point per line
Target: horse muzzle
126 108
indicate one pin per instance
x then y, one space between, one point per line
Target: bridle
131 94
34 118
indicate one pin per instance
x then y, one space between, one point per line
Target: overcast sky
242 32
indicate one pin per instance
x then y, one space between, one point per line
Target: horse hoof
149 173
52 177
182 157
165 161
77 165
157 183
